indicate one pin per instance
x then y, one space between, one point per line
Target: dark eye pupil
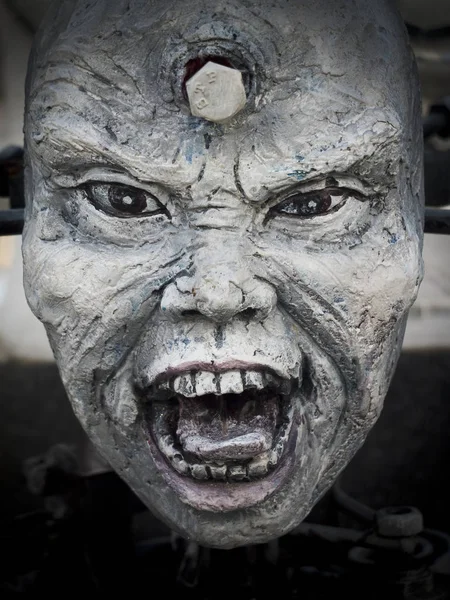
127 199
305 205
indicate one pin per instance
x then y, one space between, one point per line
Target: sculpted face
226 302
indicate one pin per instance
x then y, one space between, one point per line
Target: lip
226 497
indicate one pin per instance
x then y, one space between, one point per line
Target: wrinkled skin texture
222 277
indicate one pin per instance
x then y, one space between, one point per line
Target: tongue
224 428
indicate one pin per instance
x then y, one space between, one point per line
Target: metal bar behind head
11 221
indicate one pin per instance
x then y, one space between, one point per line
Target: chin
228 454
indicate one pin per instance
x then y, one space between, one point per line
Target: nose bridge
219 255
220 277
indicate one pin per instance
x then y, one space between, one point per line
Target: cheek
369 284
385 281
93 299
354 300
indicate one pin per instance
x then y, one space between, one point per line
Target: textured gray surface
171 258
422 13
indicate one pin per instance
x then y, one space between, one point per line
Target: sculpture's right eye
124 201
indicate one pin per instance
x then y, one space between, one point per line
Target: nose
220 295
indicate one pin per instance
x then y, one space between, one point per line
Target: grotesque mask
225 297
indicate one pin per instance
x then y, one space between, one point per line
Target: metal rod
435 123
437 220
11 221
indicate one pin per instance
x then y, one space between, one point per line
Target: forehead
133 40
100 88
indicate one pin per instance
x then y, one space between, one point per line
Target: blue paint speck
298 175
393 239
341 303
195 123
193 147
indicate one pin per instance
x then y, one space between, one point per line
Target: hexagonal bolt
216 93
399 521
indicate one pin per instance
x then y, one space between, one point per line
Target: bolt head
399 521
216 93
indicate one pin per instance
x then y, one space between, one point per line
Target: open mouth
230 426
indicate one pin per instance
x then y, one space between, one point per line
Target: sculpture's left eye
310 204
120 200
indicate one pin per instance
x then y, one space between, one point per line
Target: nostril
190 313
249 313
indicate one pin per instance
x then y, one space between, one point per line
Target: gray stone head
225 301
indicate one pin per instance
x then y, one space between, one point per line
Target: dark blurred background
59 500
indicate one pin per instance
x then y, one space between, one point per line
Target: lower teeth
256 468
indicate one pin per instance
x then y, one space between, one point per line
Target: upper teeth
201 383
